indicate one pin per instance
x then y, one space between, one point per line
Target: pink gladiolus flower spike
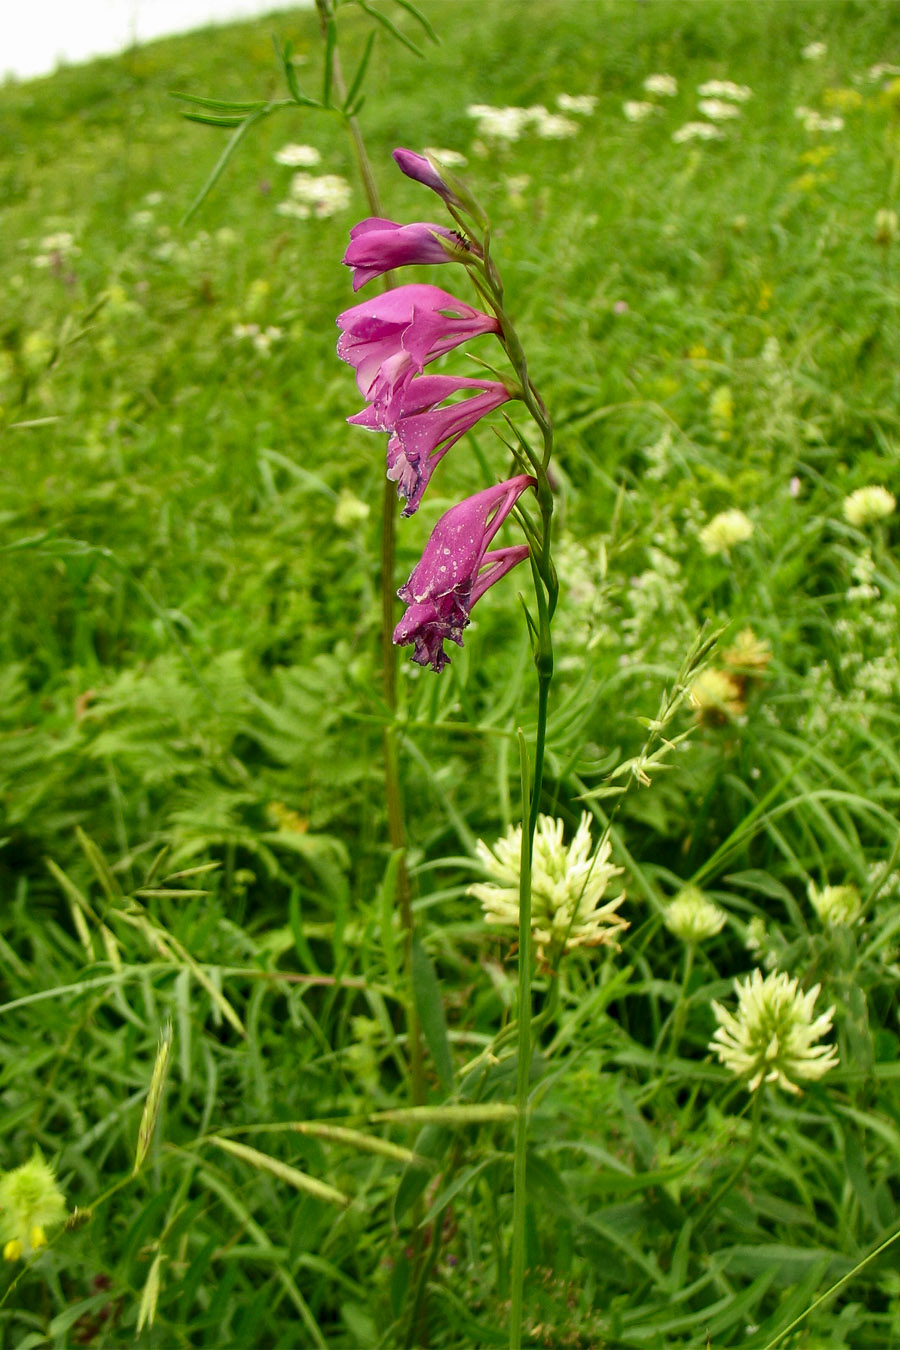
378 245
422 431
456 569
390 337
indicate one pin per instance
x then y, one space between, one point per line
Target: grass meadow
194 843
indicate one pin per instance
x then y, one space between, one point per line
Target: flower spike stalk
389 341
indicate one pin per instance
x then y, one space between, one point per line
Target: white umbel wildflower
814 51
498 124
583 104
568 886
816 121
772 1038
692 917
718 110
738 93
698 131
298 156
636 110
666 85
868 504
835 905
318 197
726 529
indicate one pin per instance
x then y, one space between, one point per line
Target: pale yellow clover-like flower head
568 887
30 1203
868 504
835 905
773 1037
692 917
715 696
725 530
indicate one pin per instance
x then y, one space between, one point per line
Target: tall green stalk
546 590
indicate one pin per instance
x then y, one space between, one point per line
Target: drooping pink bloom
390 337
423 171
423 431
456 569
377 245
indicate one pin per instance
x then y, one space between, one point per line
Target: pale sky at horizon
37 35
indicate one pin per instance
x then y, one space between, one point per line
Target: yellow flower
726 529
835 905
568 887
30 1203
721 411
772 1036
693 918
886 226
845 100
868 504
716 697
749 654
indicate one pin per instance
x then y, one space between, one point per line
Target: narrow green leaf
430 1004
219 105
214 119
417 14
221 163
360 75
328 72
392 28
430 1146
387 898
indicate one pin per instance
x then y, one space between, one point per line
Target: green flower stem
488 284
707 1211
681 1007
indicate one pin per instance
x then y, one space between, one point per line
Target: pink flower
391 337
378 245
422 431
423 171
456 569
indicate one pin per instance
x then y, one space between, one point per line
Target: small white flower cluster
718 110
637 110
724 531
814 51
737 93
698 131
317 197
878 71
568 886
665 85
816 121
56 249
262 338
507 124
772 1038
867 505
298 156
660 86
582 104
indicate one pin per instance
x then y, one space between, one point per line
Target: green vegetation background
188 660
